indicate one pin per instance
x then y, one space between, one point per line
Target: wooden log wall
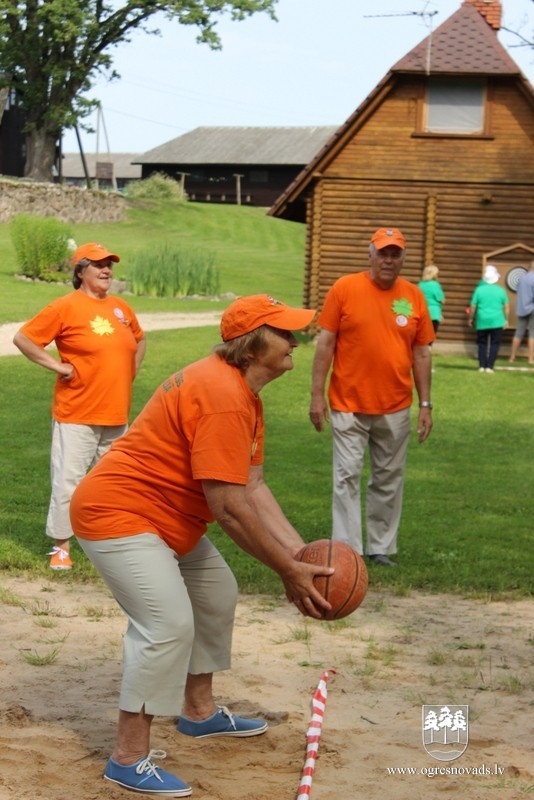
391 144
457 224
456 198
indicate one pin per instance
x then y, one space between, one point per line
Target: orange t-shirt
376 332
203 423
99 338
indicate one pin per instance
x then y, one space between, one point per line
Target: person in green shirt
488 311
434 294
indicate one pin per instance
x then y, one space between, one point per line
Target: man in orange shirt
376 331
101 347
193 455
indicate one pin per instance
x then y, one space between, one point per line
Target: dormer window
455 106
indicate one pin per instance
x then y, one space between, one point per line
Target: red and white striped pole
313 736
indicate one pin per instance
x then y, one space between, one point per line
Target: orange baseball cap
387 236
248 313
94 252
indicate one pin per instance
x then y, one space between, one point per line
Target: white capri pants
75 449
180 615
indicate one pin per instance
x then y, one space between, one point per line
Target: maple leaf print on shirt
102 326
402 306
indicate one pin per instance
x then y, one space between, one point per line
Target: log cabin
442 148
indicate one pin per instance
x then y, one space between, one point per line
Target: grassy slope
253 252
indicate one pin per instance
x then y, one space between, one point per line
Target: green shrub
41 246
157 187
166 272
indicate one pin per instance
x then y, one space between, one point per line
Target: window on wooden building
455 106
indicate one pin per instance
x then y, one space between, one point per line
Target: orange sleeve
202 423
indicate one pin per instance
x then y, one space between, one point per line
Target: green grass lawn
468 509
468 505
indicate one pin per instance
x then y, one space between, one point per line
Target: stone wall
67 203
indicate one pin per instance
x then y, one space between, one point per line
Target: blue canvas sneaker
222 723
145 776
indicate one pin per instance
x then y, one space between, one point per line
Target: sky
312 67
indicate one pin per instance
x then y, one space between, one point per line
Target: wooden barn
243 165
443 148
12 144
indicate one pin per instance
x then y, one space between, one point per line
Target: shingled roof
233 145
464 44
123 164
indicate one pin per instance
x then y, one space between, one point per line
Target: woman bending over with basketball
193 455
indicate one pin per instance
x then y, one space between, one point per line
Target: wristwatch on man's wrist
425 404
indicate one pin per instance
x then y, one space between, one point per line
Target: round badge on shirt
119 313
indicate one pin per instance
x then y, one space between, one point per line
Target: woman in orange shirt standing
193 455
101 347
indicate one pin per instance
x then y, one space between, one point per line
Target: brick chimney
491 10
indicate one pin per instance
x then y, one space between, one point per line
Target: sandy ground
57 720
394 654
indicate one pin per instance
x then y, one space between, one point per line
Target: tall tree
52 50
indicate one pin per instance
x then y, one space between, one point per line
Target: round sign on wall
513 276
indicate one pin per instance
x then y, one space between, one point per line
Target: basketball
346 588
